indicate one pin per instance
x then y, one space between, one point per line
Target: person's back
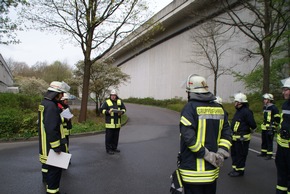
205 138
206 123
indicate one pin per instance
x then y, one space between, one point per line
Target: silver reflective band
287 112
214 117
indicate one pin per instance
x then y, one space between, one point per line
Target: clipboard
66 114
117 111
58 160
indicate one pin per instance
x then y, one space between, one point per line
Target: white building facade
159 68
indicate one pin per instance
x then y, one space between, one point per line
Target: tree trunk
266 50
85 92
215 84
97 109
288 64
266 70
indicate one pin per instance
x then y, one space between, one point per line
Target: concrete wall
159 69
161 72
6 78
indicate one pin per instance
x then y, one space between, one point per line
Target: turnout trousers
200 188
282 162
267 143
239 153
53 179
44 170
112 138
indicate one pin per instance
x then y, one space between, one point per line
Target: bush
10 122
151 101
18 115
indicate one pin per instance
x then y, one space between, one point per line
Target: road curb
36 138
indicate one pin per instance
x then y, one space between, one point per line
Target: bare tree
47 72
95 25
18 68
209 42
265 23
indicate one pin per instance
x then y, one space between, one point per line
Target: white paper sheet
59 160
66 114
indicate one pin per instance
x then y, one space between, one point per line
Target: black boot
268 157
236 173
262 155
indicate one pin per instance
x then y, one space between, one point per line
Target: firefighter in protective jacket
66 122
51 137
282 159
269 126
205 138
243 124
113 108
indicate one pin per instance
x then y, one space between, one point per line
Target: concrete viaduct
6 78
158 67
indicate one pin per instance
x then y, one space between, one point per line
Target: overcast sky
44 47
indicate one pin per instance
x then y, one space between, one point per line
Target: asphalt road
149 144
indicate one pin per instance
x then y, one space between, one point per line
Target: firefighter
242 125
113 108
282 159
66 123
51 138
269 126
205 138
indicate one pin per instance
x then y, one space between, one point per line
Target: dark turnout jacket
203 124
113 119
50 135
242 123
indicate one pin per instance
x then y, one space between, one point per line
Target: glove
211 157
221 156
219 160
223 153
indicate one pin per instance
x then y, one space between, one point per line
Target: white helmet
286 83
196 84
57 86
113 92
240 97
218 100
65 96
268 96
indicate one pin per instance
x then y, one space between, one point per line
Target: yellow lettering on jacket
209 111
